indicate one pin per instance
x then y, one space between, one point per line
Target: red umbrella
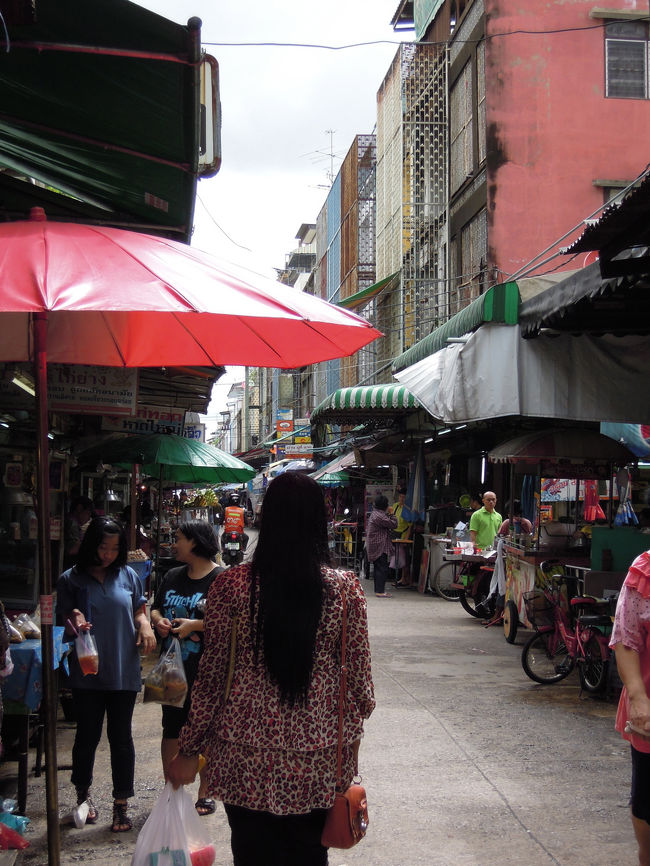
119 298
82 294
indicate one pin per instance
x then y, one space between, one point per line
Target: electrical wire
442 42
222 230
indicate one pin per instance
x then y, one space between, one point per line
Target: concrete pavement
466 761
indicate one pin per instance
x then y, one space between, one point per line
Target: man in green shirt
484 524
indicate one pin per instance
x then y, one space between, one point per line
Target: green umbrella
334 479
171 458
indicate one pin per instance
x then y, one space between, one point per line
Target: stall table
22 693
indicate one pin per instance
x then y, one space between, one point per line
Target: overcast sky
277 105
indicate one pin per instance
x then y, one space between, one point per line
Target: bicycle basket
539 609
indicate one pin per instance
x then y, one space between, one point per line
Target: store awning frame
499 304
101 105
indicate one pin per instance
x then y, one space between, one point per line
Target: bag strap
231 659
342 687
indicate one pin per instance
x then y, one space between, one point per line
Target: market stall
561 524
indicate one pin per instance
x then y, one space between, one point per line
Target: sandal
205 806
121 821
83 796
383 595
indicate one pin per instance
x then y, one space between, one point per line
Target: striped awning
348 403
498 304
361 298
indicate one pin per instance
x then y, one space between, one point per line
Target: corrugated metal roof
624 225
585 303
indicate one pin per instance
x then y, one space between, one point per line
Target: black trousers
381 573
91 706
263 839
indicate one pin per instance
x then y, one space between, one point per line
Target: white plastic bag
173 834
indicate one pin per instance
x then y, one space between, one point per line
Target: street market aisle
466 761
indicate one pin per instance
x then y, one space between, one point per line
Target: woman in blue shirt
103 594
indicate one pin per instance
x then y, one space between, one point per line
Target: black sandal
121 821
83 795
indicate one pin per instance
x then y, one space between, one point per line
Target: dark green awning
100 100
360 298
499 304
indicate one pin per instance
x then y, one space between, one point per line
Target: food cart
559 535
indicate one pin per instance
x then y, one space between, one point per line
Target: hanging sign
92 390
146 419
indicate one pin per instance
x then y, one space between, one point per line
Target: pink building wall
551 131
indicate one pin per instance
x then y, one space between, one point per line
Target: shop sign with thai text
195 431
147 419
92 390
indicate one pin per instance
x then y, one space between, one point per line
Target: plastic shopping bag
173 834
167 683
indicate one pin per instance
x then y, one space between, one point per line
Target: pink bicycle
561 640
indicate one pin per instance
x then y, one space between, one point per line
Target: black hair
381 502
93 537
206 543
287 567
85 502
401 491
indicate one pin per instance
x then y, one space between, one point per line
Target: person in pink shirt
631 642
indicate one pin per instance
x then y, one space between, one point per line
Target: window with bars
461 130
626 60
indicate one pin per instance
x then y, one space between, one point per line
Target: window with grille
626 59
461 130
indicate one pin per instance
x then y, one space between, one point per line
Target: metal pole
45 584
246 412
133 523
159 531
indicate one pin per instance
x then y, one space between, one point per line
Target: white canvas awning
497 373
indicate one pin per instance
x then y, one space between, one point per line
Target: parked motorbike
232 547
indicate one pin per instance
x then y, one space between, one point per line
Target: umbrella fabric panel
180 459
142 297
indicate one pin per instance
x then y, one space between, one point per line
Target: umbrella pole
133 532
159 530
45 581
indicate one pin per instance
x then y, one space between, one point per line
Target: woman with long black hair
271 740
103 594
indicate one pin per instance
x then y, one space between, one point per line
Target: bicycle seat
579 600
595 619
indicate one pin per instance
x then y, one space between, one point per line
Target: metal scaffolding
412 196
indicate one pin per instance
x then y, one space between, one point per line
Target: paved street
466 761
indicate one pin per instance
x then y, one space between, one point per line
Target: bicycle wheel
593 668
474 597
545 659
446 574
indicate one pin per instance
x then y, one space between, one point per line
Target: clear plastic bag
27 627
167 683
86 648
173 834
